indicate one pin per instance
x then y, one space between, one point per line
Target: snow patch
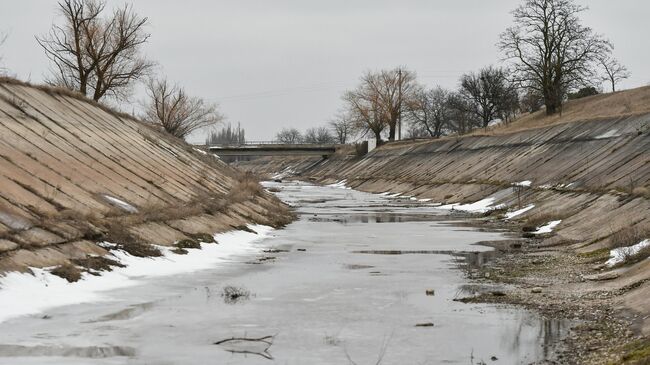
121 203
521 211
340 185
548 227
618 255
285 173
525 183
480 206
609 134
25 294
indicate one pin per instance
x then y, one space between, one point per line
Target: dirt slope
73 173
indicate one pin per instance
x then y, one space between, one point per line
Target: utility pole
399 100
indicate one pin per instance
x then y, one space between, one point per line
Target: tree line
549 57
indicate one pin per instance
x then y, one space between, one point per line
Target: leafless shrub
68 272
232 294
624 239
178 113
629 236
540 218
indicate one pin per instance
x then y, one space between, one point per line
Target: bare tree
93 55
319 135
614 71
289 136
552 51
364 112
179 114
462 119
379 100
342 127
488 94
429 110
531 101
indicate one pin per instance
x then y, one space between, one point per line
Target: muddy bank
589 181
73 173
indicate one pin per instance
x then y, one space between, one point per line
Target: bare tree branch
614 72
93 55
552 51
179 114
379 100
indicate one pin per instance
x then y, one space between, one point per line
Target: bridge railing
257 143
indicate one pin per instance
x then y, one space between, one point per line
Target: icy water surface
347 283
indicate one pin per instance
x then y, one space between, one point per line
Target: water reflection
374 217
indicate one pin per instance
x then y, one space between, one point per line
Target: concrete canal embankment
575 193
74 173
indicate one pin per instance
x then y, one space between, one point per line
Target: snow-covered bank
619 255
25 294
480 206
548 227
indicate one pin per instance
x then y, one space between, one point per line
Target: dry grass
629 236
246 188
597 107
139 249
68 272
541 218
97 263
188 243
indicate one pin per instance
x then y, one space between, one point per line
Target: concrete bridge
273 148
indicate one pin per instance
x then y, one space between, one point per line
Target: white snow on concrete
521 211
424 200
609 134
25 294
525 183
548 227
480 206
200 151
285 173
121 203
340 185
618 255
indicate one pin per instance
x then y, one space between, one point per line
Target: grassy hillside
604 106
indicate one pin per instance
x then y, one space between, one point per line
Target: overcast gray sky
280 63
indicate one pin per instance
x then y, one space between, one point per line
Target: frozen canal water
344 284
